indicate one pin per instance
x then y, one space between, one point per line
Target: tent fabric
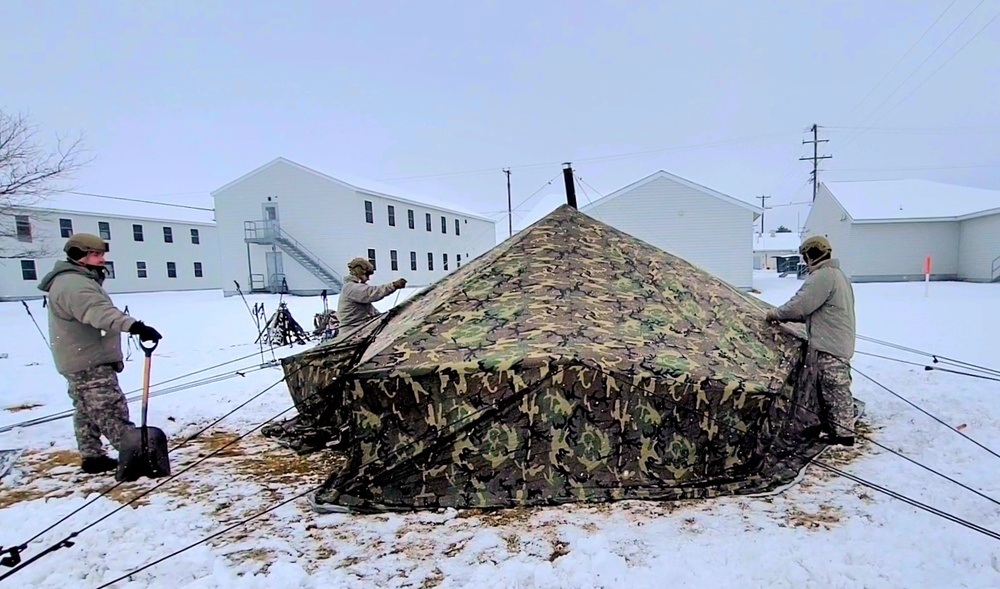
571 363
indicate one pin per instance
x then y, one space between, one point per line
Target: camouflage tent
572 362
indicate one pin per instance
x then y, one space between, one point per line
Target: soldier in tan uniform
825 303
85 330
355 305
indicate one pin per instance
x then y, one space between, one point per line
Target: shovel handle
148 347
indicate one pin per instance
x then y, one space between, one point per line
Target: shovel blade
136 460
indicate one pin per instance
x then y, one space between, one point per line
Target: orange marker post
927 276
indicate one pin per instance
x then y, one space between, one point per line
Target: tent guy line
854 478
14 552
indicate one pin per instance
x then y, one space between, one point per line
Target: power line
907 79
150 202
900 60
595 159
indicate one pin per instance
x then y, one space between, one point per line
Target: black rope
937 358
512 399
893 494
15 551
69 413
925 412
929 368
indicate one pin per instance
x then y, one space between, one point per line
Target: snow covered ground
823 532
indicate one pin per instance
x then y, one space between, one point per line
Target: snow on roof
113 207
911 199
779 242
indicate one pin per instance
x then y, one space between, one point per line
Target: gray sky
182 97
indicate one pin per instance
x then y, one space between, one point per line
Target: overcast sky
178 98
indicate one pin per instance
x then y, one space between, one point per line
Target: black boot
841 440
99 464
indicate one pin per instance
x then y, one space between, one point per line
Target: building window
195 237
198 272
168 235
444 262
444 225
392 216
110 267
409 217
171 270
28 270
428 218
430 261
458 228
65 227
23 226
140 269
137 232
369 215
393 260
104 228
413 261
371 258
458 260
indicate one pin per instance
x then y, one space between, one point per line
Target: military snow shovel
143 450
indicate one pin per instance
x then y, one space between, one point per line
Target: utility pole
815 157
510 213
570 186
762 199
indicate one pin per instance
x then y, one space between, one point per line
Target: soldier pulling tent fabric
572 362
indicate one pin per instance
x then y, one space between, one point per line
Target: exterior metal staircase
995 270
269 232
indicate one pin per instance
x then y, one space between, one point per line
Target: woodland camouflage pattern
572 362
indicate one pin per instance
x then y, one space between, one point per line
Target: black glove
145 332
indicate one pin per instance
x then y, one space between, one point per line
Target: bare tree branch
28 174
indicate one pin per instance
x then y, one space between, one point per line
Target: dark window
65 227
140 269
392 216
413 260
110 267
444 262
458 260
444 225
458 228
104 228
371 258
369 215
393 260
409 217
198 273
137 232
28 271
23 225
171 270
430 261
195 237
428 217
168 235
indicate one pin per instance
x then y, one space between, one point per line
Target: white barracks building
287 228
146 254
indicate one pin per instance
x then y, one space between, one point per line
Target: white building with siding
704 227
768 246
146 254
286 226
884 230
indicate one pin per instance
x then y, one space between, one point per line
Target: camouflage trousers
99 407
836 402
